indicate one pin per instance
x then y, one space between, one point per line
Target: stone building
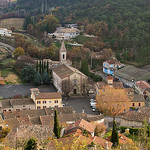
69 80
16 104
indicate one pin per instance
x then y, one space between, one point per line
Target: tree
47 67
40 68
28 74
57 128
84 67
112 101
37 66
37 79
114 135
67 87
46 78
48 24
18 52
31 144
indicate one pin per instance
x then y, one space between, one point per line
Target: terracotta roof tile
50 95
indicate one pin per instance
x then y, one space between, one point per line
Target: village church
68 80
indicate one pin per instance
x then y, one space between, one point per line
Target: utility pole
42 7
91 60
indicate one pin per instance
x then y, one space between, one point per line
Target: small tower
63 54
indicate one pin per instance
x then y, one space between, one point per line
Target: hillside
128 22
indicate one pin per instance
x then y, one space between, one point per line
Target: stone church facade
68 80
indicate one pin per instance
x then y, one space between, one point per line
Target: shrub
131 130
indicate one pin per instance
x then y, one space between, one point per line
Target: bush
131 130
96 78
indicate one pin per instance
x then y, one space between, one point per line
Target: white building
65 33
110 66
5 32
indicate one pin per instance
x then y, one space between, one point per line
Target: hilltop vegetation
125 22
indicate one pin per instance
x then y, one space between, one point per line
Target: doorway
74 91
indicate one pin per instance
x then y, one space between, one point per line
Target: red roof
122 139
142 84
82 124
2 79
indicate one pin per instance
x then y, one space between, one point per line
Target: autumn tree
48 24
112 101
18 52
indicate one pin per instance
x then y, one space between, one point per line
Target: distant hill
128 21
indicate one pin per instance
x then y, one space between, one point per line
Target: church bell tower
63 54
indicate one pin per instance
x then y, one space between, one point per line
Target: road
8 46
7 91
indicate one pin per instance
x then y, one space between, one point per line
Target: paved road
104 76
7 91
8 46
79 103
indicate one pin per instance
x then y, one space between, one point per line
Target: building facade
65 33
5 32
109 67
69 80
46 100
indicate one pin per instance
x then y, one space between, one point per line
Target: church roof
63 48
63 71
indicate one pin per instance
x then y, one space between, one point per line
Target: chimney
110 80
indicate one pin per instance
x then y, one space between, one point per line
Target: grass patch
81 39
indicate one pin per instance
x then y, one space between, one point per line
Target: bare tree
67 87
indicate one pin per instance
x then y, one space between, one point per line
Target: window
63 56
44 102
49 101
139 104
133 104
56 101
38 102
75 81
56 106
44 107
38 107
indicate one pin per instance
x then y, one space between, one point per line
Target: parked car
63 105
94 109
92 100
93 104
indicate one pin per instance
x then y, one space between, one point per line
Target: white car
93 104
92 100
63 105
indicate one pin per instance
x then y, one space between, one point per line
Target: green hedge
131 130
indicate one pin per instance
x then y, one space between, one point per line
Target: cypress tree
40 67
57 129
44 66
84 67
47 67
37 67
114 135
